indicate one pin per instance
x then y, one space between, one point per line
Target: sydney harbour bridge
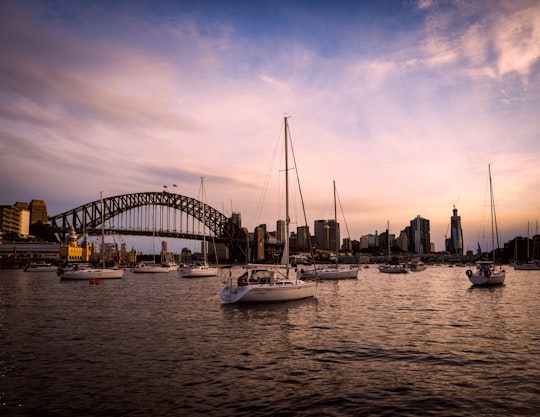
162 214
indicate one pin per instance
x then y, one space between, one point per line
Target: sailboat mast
287 219
494 229
335 223
102 229
204 222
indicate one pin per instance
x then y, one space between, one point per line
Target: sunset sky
403 103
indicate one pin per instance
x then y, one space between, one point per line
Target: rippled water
424 344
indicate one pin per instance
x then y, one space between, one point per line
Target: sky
403 104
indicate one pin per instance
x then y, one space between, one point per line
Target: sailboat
201 270
531 265
335 271
487 271
94 274
151 268
267 285
388 268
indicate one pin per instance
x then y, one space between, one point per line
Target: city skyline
403 104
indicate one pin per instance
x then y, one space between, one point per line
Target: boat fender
487 272
469 273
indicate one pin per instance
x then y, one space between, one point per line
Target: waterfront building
259 235
347 245
402 241
20 216
454 245
31 250
71 251
386 239
236 219
38 212
327 234
419 236
280 230
10 219
24 218
302 237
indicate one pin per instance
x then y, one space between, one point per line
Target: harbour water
420 344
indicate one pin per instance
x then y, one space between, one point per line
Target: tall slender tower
455 245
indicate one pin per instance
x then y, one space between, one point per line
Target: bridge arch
136 214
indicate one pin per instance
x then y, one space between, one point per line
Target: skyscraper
455 244
419 238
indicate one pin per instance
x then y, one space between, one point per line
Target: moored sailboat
201 269
87 273
335 271
390 268
488 272
266 285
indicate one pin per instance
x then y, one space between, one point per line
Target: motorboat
40 267
393 269
199 271
416 265
150 268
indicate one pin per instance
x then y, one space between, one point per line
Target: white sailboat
266 285
531 264
389 268
488 272
147 267
202 269
335 271
87 273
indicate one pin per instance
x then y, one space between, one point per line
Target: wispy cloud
405 110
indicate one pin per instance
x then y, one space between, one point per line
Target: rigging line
299 187
343 214
264 191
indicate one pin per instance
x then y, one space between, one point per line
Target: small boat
393 269
529 266
199 271
329 273
488 272
170 265
40 267
149 268
202 269
416 265
269 285
80 274
89 273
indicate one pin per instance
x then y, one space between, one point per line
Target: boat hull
486 274
329 274
200 272
493 279
151 270
527 267
44 268
393 270
93 273
268 293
